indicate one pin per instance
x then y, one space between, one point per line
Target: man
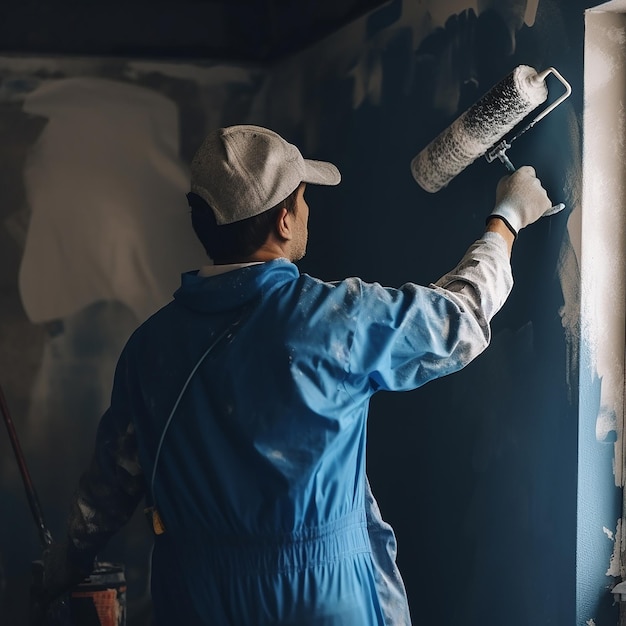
239 409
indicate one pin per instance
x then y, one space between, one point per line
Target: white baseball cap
241 171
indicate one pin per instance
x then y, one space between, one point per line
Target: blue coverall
261 481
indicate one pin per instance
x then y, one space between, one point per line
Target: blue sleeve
405 337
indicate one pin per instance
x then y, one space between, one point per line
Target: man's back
260 480
261 440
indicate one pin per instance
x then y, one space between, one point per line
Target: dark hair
228 243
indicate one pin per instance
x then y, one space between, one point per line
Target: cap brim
320 173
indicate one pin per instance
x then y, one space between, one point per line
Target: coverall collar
230 290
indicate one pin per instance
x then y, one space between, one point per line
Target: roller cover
483 125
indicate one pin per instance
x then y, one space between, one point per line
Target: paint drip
479 128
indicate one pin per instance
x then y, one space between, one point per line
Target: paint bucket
100 600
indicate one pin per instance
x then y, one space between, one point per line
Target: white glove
521 200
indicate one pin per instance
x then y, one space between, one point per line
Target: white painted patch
606 424
105 185
590 622
616 35
615 569
603 221
603 70
617 6
531 12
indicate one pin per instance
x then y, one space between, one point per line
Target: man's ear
284 228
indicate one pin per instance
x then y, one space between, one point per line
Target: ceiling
233 30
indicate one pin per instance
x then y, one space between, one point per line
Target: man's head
244 181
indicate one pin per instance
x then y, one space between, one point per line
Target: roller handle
499 152
44 534
568 90
541 77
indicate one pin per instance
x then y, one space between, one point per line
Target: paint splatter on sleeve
406 337
482 280
111 488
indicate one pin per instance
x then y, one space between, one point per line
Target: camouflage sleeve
113 485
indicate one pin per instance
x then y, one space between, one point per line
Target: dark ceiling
233 30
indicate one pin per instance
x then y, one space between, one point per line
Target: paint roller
480 130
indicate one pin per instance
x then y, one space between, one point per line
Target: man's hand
521 200
60 572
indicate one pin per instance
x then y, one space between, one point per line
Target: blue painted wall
479 472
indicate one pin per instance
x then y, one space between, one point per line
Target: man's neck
221 268
267 252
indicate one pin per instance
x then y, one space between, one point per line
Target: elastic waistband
308 548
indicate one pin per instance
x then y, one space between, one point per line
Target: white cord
180 395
